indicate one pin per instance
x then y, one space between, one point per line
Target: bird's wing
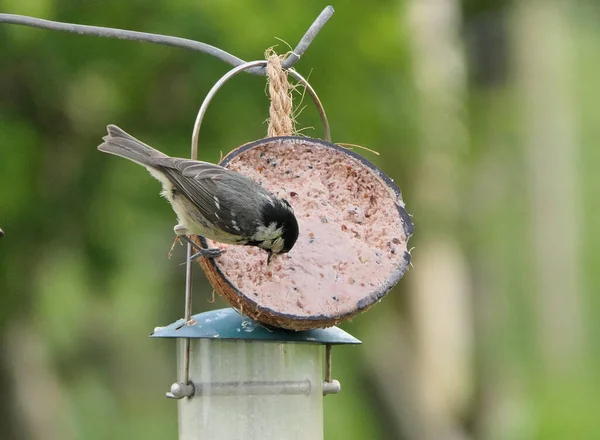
199 182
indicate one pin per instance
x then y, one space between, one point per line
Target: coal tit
211 200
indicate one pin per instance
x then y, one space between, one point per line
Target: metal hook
231 74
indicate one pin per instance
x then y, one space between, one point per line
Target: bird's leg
182 232
177 240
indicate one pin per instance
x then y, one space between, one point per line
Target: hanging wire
167 40
248 66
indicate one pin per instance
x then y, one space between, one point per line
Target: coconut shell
353 242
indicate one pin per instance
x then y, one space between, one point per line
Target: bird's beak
269 257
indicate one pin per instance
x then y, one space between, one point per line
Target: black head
281 215
290 229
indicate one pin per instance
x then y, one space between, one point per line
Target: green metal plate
229 324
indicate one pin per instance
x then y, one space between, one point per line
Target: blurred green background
484 112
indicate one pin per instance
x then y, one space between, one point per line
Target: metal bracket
333 387
179 390
251 388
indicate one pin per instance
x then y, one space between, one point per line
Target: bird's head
279 229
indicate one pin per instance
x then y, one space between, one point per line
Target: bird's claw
208 253
201 252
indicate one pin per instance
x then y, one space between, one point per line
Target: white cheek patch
277 245
270 233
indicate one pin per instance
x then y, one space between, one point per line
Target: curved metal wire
316 100
249 65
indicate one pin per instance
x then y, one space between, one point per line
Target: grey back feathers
225 200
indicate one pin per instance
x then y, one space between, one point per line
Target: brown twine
281 121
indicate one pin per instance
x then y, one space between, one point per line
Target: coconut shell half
352 248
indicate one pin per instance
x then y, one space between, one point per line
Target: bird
212 201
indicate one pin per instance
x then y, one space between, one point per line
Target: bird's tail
122 144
